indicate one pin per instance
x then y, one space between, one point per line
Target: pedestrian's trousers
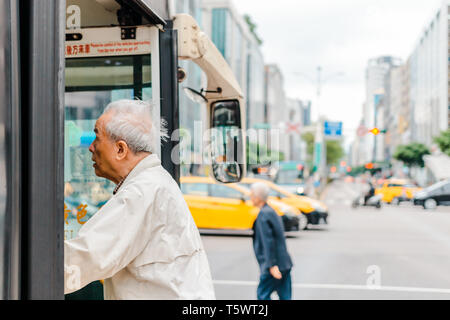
268 284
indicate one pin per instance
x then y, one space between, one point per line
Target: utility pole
319 148
374 153
319 145
376 101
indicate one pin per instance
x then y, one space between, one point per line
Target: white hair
260 190
132 122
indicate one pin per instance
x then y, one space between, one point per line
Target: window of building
220 30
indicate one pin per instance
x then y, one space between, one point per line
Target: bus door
102 65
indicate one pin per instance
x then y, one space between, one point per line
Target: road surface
397 252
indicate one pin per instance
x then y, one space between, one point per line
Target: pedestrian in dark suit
269 243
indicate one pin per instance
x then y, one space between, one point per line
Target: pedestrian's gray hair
132 122
260 190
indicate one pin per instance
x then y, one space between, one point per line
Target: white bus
61 62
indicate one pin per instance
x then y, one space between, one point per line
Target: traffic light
369 165
375 131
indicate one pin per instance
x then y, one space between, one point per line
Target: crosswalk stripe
340 287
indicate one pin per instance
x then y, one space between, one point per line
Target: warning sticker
109 48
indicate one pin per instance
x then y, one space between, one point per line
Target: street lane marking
339 287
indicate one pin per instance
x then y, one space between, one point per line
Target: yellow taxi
314 210
228 206
395 191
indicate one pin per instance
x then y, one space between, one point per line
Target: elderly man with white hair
143 242
269 243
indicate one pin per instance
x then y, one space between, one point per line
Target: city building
392 137
296 127
275 103
275 109
306 112
230 33
429 69
429 90
410 100
191 113
357 153
354 152
376 106
406 125
398 117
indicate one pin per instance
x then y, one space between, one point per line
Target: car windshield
263 177
396 185
437 185
245 186
288 177
272 192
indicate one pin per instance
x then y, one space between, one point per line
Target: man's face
103 150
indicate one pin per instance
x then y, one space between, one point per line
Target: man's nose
91 148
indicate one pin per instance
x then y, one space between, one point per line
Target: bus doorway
102 65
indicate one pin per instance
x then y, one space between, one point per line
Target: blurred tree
309 139
335 152
356 171
411 154
252 27
443 141
258 154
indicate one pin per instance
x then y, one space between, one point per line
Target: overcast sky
340 36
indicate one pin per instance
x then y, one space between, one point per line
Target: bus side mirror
227 146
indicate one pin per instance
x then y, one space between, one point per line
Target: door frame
42 36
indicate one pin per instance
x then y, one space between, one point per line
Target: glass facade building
191 113
429 78
374 111
231 35
255 86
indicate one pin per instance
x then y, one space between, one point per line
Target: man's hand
275 272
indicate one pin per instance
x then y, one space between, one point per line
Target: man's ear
122 150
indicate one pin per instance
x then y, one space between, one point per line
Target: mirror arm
219 90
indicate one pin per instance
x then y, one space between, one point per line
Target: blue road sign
333 129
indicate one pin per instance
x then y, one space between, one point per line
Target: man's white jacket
143 242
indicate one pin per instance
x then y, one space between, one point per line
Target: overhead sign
293 127
362 130
333 129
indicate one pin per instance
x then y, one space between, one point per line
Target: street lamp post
319 145
376 101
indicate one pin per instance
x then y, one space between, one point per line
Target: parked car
228 206
315 211
435 195
395 191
